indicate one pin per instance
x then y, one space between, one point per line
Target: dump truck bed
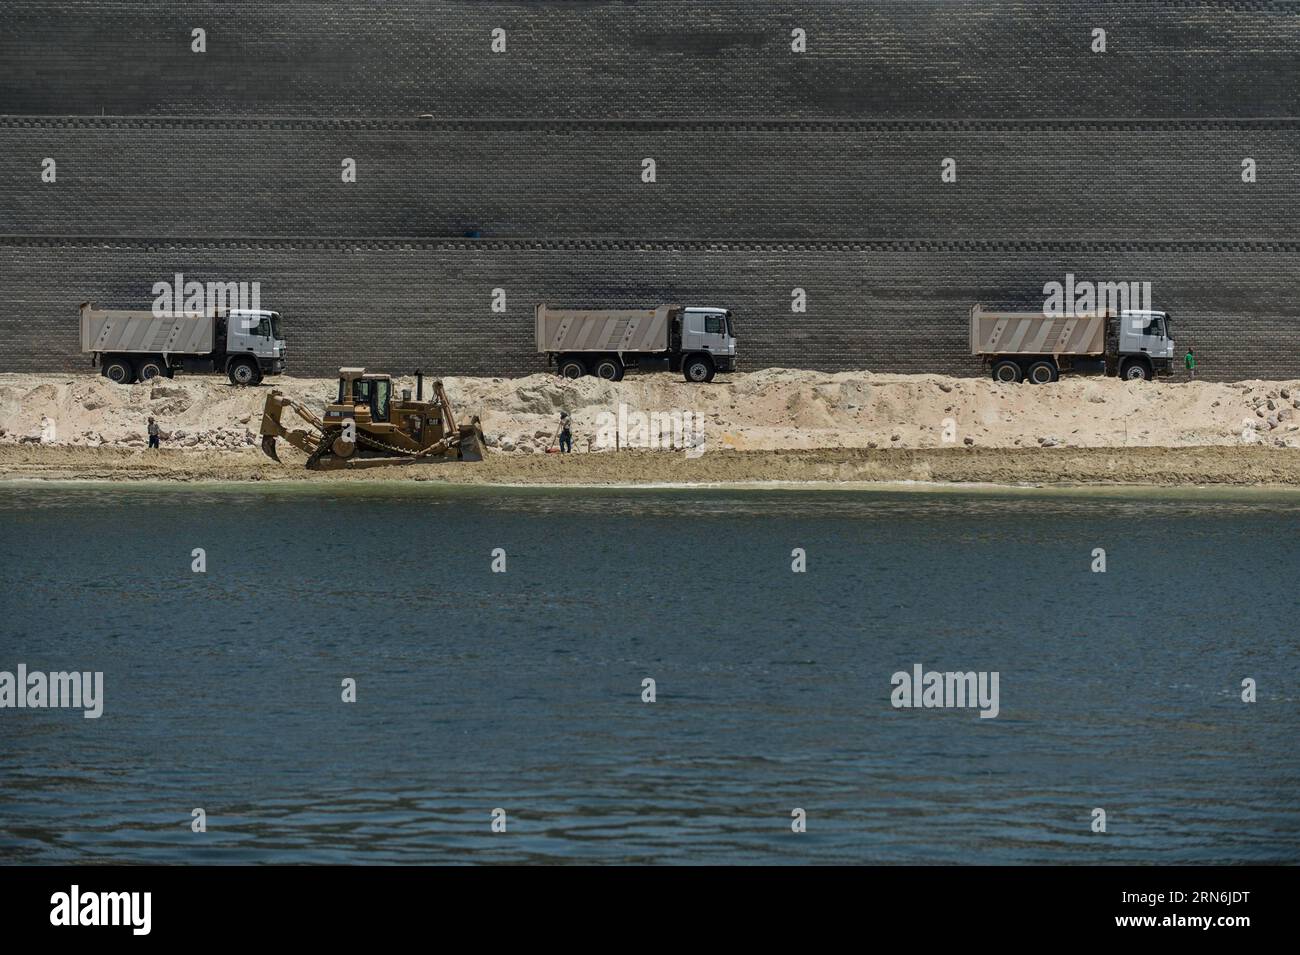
605 330
1033 333
110 331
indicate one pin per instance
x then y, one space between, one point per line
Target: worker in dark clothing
566 433
155 434
1190 361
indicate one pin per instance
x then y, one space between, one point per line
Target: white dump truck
698 341
1039 348
130 346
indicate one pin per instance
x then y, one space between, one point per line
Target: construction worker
1190 361
155 434
566 433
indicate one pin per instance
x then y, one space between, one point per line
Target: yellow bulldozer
368 427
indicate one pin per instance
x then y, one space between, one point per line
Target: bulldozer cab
373 391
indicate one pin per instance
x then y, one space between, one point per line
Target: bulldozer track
327 443
380 446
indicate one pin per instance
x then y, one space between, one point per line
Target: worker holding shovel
564 432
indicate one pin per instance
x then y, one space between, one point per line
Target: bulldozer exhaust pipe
419 385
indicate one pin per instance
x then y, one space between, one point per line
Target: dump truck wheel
1136 370
1006 371
697 369
572 368
1041 373
118 370
611 369
244 372
151 369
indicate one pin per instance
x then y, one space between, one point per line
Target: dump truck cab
1147 333
259 335
708 329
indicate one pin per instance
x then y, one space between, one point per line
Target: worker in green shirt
1190 361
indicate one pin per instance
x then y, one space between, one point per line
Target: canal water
525 690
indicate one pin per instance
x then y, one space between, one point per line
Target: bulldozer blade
471 445
268 448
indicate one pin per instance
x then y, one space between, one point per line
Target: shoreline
768 427
967 469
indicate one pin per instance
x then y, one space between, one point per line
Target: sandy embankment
774 424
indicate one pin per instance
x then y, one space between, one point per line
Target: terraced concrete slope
775 170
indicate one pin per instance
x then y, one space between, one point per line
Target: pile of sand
771 409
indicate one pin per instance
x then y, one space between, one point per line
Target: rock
507 445
968 441
945 387
1271 406
895 437
1286 393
